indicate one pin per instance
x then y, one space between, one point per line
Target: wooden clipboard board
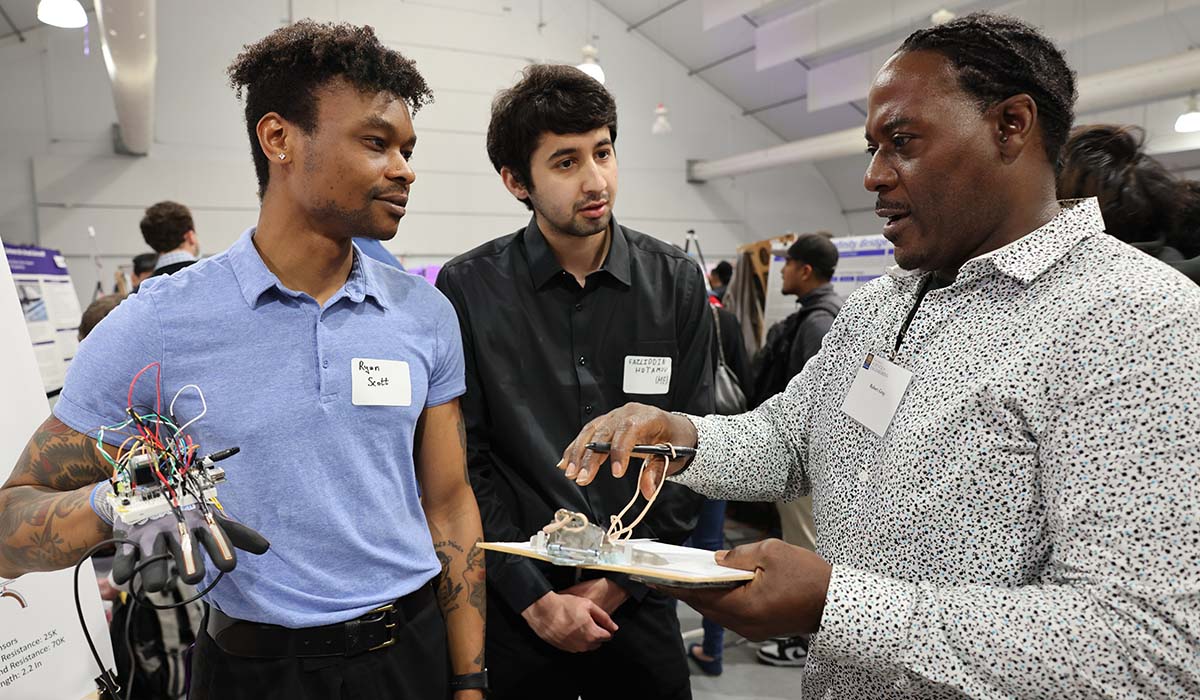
685 567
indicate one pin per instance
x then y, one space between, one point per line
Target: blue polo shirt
331 484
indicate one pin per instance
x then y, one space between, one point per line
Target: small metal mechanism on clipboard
571 540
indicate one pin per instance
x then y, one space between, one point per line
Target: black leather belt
375 630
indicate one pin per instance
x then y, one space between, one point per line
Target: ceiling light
67 14
661 124
590 65
1189 121
942 16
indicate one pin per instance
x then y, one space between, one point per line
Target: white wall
58 173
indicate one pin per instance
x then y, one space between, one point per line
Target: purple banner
31 260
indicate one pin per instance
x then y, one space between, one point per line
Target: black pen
658 450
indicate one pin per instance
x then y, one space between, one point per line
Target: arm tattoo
60 458
447 590
474 577
45 517
462 441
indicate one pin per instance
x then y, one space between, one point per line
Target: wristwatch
469 681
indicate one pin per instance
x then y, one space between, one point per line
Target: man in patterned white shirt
1022 518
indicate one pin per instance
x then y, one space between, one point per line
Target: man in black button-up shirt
562 322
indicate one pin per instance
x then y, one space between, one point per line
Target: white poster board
860 260
50 307
43 655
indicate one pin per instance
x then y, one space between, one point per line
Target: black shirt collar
543 266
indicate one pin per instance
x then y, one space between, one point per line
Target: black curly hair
282 72
549 97
1140 200
996 57
165 224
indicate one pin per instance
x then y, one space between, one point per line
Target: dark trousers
710 534
416 667
644 659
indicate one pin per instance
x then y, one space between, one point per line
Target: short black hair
165 224
724 271
96 311
818 250
556 98
283 71
1140 200
996 57
144 263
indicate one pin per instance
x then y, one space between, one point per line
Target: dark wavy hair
165 224
1140 200
555 98
997 57
282 72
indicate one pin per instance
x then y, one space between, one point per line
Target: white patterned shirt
1029 525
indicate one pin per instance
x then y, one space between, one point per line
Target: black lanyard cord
929 283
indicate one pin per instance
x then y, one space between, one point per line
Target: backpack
770 363
158 639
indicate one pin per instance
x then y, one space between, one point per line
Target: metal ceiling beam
1145 82
652 15
719 61
8 19
773 105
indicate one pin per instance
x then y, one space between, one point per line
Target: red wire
157 398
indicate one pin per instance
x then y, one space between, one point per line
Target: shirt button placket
322 375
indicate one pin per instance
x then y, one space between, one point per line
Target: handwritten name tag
876 392
647 374
380 382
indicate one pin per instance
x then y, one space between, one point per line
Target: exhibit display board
43 655
860 260
50 308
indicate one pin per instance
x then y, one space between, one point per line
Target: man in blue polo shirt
336 375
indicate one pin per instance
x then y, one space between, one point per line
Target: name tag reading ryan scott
647 374
876 392
380 382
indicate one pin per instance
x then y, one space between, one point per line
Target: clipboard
679 567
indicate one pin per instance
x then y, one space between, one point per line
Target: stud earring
1003 139
282 156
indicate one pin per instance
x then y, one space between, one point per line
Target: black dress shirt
544 357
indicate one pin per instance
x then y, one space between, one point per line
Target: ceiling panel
845 178
752 89
794 121
678 31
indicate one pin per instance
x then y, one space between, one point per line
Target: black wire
140 599
129 608
79 605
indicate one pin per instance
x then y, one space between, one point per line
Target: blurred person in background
1142 203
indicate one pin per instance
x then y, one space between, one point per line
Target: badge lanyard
926 286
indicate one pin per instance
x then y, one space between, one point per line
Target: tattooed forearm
46 522
44 530
474 577
454 526
448 591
